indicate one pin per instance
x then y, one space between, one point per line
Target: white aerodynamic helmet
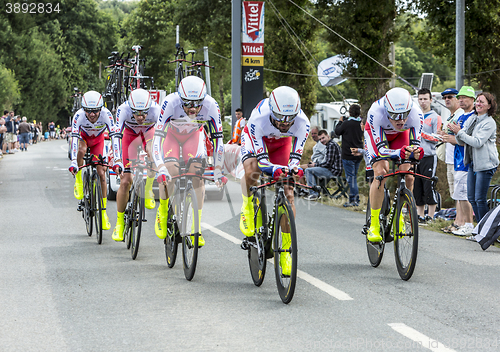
284 103
139 100
92 100
398 103
192 91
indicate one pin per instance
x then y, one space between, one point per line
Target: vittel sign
253 22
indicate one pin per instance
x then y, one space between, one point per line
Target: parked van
327 115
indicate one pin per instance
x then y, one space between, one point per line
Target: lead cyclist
272 142
392 131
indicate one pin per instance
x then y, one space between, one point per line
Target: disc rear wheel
375 250
173 235
256 249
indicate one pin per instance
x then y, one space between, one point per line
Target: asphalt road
61 291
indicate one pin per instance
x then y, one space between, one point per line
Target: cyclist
272 142
89 123
392 131
135 121
178 126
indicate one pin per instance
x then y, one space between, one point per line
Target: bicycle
91 203
114 94
182 71
268 242
404 233
135 211
183 211
136 78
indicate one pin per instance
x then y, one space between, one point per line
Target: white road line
323 286
420 338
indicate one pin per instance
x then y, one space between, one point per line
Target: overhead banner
252 55
330 70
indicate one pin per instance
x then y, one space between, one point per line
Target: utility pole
392 59
460 44
235 58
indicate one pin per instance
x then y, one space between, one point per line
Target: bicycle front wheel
137 216
257 250
406 238
173 235
190 233
97 205
87 202
375 250
285 251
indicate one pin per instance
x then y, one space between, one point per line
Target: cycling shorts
278 149
193 145
95 143
130 142
396 141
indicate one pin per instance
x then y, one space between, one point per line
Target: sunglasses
192 103
446 97
140 112
283 118
90 111
399 116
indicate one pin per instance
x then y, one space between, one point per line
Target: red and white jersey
259 129
125 120
381 127
81 126
172 115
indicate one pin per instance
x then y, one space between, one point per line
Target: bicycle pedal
79 208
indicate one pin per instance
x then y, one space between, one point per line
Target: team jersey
260 129
172 110
125 120
381 127
82 127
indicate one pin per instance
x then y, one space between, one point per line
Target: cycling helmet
192 91
92 101
139 101
284 103
398 103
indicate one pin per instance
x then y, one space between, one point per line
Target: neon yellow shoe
106 225
78 188
161 219
285 257
201 240
402 227
120 226
149 200
374 234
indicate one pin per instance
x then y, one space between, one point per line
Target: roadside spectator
319 149
466 97
3 129
478 136
9 136
16 134
52 130
352 137
450 98
423 190
238 127
24 131
327 169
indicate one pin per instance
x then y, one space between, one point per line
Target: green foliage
286 51
9 88
482 43
369 27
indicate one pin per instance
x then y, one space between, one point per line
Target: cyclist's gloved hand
402 152
298 171
277 172
417 153
73 168
118 168
163 175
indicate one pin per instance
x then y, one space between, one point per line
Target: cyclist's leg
78 188
149 197
380 168
251 177
122 196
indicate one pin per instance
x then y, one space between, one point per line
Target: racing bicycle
403 232
91 204
268 240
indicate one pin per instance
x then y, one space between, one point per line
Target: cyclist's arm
298 142
166 114
75 134
118 134
215 125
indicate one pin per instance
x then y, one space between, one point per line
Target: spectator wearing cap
466 97
450 98
478 136
352 137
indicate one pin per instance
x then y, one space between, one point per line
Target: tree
370 27
290 46
9 88
482 43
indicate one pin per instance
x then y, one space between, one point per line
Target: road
61 291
